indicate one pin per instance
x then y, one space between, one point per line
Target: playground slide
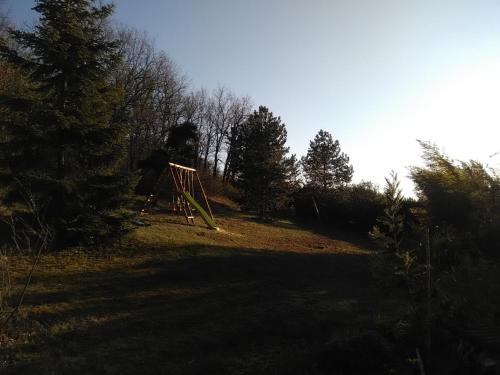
206 217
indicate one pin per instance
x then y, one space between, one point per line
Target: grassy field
253 298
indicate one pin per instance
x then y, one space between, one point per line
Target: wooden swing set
184 180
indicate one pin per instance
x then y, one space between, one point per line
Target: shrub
355 207
462 198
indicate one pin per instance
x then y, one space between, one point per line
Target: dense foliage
325 166
265 172
180 148
353 207
444 256
63 144
462 200
391 223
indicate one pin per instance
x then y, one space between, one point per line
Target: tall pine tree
64 144
264 169
325 166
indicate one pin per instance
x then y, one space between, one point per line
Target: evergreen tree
64 143
325 166
461 198
235 154
293 178
390 233
264 169
180 148
391 223
182 144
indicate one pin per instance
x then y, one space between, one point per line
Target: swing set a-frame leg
184 179
179 186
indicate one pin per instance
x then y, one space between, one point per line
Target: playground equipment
184 180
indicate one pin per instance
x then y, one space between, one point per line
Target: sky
377 74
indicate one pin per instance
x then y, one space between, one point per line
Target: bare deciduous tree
135 77
195 111
239 111
154 92
221 101
169 98
156 99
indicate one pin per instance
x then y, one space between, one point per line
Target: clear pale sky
377 74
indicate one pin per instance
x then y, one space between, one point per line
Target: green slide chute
208 220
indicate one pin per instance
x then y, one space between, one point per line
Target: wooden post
316 210
428 339
153 196
192 183
184 182
204 195
179 185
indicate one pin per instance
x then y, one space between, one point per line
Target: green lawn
253 298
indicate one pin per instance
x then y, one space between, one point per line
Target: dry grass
254 298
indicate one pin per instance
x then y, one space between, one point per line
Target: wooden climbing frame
184 179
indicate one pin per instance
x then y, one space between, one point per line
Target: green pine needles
392 221
266 172
390 234
63 141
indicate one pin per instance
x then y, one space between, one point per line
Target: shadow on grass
232 311
163 214
223 209
163 206
357 238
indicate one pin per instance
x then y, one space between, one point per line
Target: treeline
328 196
158 98
88 109
155 97
92 112
84 107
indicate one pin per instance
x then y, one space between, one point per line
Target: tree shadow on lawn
223 209
248 311
222 212
360 239
163 207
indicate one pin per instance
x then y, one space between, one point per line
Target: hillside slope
178 299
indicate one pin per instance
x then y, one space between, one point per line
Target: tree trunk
197 155
261 212
205 161
325 183
216 161
60 156
225 174
131 153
